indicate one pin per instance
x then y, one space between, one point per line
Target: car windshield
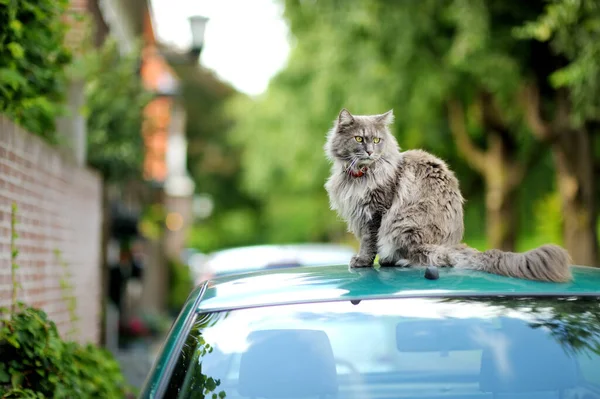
539 347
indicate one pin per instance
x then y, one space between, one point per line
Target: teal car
327 332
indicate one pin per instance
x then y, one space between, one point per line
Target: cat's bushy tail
545 263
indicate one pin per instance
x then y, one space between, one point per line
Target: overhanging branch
475 156
530 100
493 120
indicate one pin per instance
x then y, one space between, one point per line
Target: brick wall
59 207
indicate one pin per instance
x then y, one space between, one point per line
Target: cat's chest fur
361 199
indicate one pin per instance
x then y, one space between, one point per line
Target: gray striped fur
408 208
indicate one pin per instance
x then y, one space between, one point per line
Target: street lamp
198 26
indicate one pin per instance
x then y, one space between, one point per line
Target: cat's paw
360 261
387 262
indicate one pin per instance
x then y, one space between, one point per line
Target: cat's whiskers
349 168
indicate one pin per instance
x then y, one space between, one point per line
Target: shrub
38 363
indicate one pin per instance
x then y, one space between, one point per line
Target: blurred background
206 120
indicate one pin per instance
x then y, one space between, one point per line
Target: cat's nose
369 152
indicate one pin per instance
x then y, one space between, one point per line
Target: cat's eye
376 140
359 139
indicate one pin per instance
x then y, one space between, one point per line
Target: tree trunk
500 196
501 217
498 165
574 162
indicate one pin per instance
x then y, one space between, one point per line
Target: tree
214 163
566 87
574 323
471 47
452 73
283 132
114 103
488 65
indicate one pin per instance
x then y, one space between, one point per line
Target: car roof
325 283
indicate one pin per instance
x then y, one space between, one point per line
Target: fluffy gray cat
407 206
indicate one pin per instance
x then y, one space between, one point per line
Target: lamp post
198 27
178 181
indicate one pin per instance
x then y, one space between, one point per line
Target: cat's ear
345 118
387 118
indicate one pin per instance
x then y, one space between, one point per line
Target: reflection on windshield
576 330
427 347
196 384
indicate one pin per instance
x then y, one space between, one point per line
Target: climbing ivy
33 56
38 363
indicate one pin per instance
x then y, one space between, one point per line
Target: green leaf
16 49
16 379
13 341
11 78
210 384
17 27
4 377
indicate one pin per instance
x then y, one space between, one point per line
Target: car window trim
166 375
200 310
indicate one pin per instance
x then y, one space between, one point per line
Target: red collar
358 173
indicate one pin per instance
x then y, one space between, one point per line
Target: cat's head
361 139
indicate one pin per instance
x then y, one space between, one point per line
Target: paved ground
136 364
137 361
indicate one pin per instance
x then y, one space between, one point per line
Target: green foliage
181 284
37 363
204 386
236 226
194 381
115 99
68 291
214 163
33 56
412 56
211 156
574 324
572 27
14 252
548 218
353 54
152 223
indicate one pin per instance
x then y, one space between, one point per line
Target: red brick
59 208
